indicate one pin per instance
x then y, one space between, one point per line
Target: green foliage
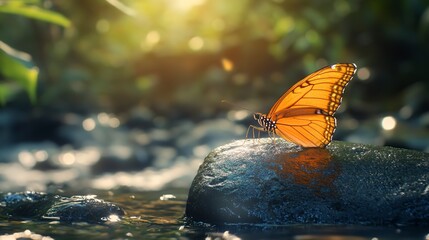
17 67
167 54
35 12
14 67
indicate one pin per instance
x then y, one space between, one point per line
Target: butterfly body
305 113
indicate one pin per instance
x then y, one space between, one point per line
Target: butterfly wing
322 90
304 114
313 130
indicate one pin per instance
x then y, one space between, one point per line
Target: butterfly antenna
236 106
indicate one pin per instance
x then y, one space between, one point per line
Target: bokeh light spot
237 115
284 25
363 73
388 123
227 64
67 158
201 151
240 79
41 155
26 159
196 43
88 124
312 36
88 156
102 26
114 122
103 118
153 37
406 112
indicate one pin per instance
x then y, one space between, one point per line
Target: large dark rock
42 206
271 181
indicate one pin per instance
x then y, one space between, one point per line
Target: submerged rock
83 209
42 206
270 181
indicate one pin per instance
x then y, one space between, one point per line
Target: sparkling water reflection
159 215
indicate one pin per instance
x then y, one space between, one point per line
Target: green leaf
12 68
35 13
4 94
7 90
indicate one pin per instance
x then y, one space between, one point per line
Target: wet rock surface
274 182
42 206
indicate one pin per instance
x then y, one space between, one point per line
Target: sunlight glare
185 5
114 218
167 197
388 123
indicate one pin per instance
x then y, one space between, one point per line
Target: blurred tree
167 55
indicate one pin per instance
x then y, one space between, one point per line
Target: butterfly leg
273 137
257 128
247 132
253 131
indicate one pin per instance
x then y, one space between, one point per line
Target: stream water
151 172
159 215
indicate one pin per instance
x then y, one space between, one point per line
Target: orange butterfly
305 113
